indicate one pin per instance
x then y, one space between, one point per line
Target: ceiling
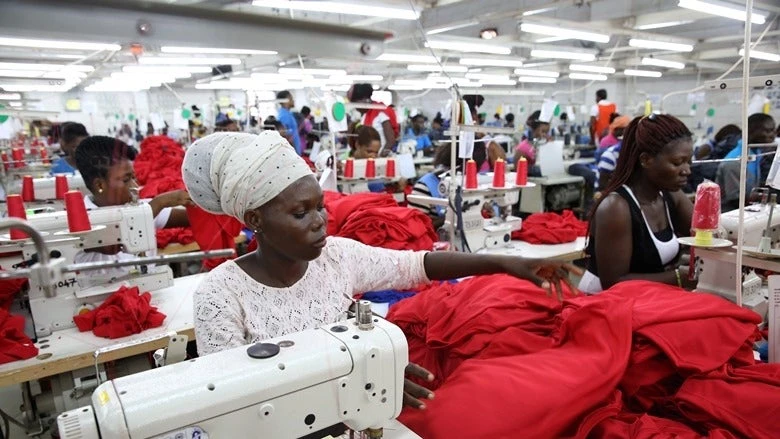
351 43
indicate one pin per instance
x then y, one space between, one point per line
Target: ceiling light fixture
591 69
644 73
407 58
662 24
492 62
183 61
308 71
559 54
340 8
215 51
542 73
46 67
463 46
56 44
10 96
487 76
757 54
537 79
722 10
42 74
497 82
662 63
436 68
166 69
660 45
449 27
539 11
559 32
588 76
488 34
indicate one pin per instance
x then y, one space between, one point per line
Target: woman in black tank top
642 207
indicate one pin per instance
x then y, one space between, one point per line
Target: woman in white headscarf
299 278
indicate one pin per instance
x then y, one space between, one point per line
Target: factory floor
10 403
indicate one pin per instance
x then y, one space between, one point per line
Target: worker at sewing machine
299 278
537 135
106 165
71 134
383 121
493 150
417 132
635 225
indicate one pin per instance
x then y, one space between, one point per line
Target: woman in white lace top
298 278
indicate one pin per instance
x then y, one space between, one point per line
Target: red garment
124 313
213 232
371 114
14 343
158 157
162 184
397 228
511 362
9 288
340 208
176 235
551 228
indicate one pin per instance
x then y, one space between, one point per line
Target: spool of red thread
18 155
4 157
15 206
78 220
349 168
499 174
60 186
471 174
34 148
370 168
28 190
45 156
522 172
390 168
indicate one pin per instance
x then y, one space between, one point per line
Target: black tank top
644 257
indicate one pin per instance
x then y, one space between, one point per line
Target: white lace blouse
232 309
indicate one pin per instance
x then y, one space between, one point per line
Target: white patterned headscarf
233 173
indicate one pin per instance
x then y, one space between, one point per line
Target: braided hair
95 155
648 134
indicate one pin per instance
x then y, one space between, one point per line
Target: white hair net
233 173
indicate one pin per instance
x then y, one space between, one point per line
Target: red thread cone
390 168
370 168
78 220
28 190
60 186
15 206
471 174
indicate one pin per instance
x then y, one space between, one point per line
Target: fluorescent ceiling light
162 77
419 86
645 73
662 63
722 10
539 11
15 104
10 96
550 39
761 55
166 69
340 8
487 76
537 79
591 69
442 29
662 24
56 44
497 82
37 87
503 92
215 51
491 62
46 67
41 74
183 61
349 79
556 31
464 46
407 58
660 45
436 68
66 56
307 71
542 73
559 54
588 76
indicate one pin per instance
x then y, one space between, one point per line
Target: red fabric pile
551 228
14 344
213 232
124 313
159 155
340 207
641 360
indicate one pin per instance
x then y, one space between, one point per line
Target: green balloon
3 117
710 112
116 116
186 114
557 111
694 107
131 117
522 109
240 113
338 111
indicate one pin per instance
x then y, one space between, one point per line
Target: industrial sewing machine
53 307
45 188
478 232
305 384
555 190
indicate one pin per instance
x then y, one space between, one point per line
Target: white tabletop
569 251
70 349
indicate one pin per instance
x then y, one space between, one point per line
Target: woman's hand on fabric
413 392
548 274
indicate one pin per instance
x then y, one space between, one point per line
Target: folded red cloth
340 208
176 235
9 288
551 228
124 313
159 155
14 343
397 228
213 232
162 184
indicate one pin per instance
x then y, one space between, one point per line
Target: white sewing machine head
288 387
756 216
131 226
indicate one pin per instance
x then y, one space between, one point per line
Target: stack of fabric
14 344
641 360
126 312
551 228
